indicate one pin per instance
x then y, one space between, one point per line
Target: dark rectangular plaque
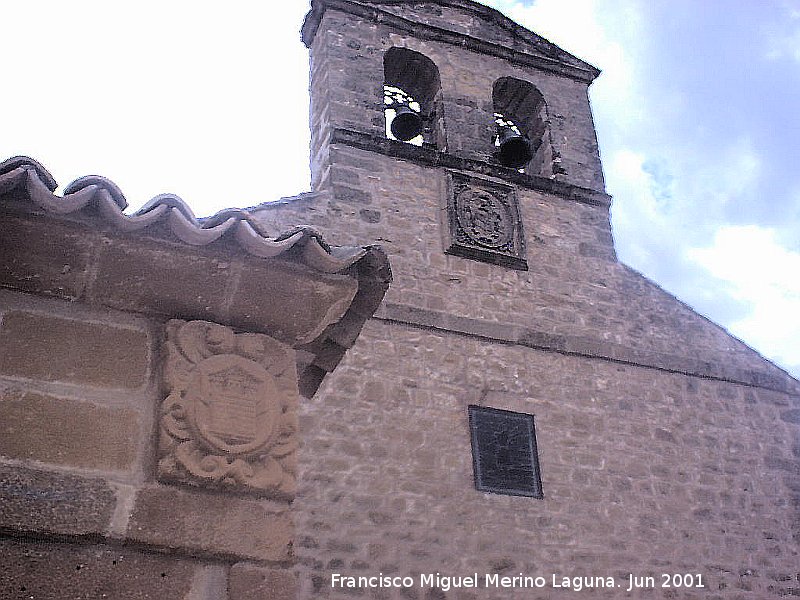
504 454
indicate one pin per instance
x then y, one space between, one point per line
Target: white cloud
652 228
641 227
708 181
753 266
783 39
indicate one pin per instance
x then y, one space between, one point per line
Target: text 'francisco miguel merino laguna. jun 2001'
495 580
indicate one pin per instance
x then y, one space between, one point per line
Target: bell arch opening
412 98
522 133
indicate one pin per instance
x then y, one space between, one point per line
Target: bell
515 149
406 124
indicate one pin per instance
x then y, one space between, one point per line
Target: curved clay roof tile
102 197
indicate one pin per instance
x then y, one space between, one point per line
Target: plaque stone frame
505 458
229 421
483 222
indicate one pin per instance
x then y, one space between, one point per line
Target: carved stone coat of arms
483 222
230 418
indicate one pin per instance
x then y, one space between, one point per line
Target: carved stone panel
230 418
484 222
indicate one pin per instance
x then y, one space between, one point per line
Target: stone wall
574 296
643 471
665 444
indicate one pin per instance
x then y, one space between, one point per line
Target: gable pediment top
476 21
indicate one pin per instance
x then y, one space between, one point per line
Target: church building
428 378
521 403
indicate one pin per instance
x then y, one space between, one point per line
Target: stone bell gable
461 81
461 22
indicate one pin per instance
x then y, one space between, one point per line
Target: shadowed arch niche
412 98
521 119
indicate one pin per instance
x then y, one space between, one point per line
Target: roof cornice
102 198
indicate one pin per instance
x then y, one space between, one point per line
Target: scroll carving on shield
230 418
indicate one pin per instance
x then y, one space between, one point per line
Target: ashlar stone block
51 569
47 347
67 432
53 503
230 418
221 525
250 582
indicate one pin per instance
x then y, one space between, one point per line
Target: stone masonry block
249 582
39 501
211 524
67 432
54 570
54 349
791 416
43 258
162 280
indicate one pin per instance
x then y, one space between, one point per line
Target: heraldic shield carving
230 419
484 222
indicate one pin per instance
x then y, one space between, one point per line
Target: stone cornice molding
579 70
586 347
427 156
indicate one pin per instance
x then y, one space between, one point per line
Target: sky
696 113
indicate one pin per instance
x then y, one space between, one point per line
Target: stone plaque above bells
484 222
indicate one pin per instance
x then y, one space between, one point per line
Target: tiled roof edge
102 197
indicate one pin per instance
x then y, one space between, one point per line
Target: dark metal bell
406 124
515 149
